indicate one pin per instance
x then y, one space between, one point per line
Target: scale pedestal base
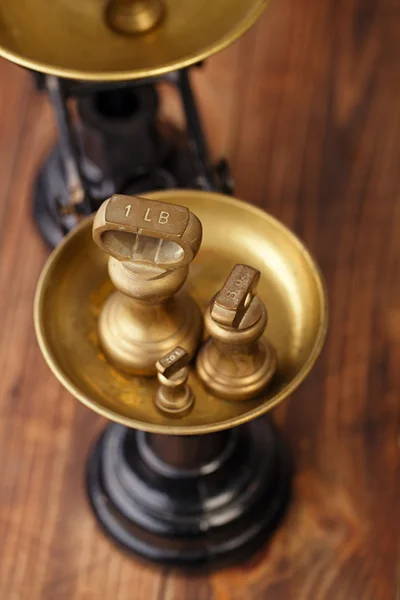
190 501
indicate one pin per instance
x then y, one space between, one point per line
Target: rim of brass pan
74 285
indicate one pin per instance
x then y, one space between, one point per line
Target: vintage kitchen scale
182 315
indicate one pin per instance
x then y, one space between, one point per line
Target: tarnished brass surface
174 396
237 362
75 40
75 284
150 245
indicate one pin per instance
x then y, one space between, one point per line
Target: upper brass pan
75 283
70 38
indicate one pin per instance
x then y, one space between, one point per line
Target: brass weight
150 245
174 396
237 362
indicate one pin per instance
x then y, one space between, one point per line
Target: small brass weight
188 474
174 396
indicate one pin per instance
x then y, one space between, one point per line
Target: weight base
217 507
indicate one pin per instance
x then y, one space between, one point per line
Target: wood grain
306 108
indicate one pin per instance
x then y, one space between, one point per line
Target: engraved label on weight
242 280
230 294
175 354
236 296
143 212
163 218
237 287
173 362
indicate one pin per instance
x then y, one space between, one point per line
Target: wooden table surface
306 107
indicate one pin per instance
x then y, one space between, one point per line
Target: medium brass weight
237 362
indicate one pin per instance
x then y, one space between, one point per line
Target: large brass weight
150 245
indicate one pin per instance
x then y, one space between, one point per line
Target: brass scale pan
87 39
74 286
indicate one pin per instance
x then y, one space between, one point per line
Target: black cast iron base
193 501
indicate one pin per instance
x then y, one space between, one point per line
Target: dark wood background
307 108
